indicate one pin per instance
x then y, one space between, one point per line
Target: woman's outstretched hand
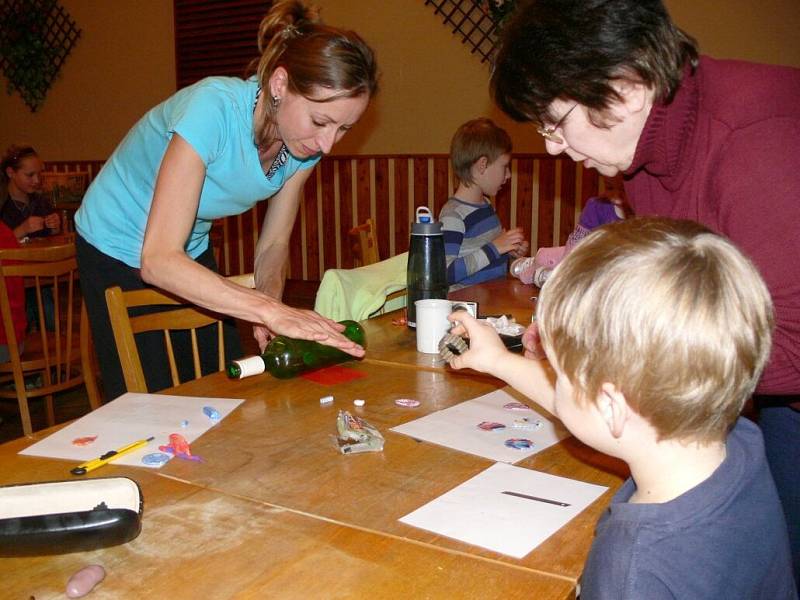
305 325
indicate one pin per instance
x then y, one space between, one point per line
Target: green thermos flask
286 357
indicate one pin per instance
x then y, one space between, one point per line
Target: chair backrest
184 317
365 243
57 356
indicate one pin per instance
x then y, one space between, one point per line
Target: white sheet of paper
129 418
478 513
457 427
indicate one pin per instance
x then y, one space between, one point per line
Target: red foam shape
333 375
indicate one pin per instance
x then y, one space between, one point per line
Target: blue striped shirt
469 230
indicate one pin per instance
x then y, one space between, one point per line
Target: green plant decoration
35 38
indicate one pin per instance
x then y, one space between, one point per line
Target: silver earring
275 101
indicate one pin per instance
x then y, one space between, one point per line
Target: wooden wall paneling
402 216
332 234
295 269
502 205
547 194
420 186
544 197
441 183
380 192
311 227
92 167
215 38
568 201
363 198
590 185
346 216
522 173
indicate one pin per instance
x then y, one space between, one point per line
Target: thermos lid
425 223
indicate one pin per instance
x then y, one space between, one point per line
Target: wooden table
276 511
201 543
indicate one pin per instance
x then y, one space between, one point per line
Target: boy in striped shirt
476 245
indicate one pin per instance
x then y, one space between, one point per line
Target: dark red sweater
726 153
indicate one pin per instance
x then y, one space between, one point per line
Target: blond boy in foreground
656 332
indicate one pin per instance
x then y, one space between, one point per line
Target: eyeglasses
549 133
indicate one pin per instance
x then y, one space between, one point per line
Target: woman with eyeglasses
618 87
212 150
25 210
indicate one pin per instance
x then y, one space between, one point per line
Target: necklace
283 152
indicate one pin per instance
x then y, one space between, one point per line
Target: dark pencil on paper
537 498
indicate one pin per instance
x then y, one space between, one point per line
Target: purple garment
598 211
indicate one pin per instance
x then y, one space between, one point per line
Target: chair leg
87 360
22 400
51 413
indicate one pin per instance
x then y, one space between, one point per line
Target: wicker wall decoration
477 22
35 38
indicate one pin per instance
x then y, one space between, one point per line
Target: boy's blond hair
474 139
672 314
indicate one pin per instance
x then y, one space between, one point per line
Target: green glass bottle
287 357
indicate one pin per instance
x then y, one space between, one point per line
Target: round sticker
155 459
519 443
516 406
490 426
407 402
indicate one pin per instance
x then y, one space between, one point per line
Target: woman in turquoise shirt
215 149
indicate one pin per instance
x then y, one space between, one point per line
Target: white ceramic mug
432 323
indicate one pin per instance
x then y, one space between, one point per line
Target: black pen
545 500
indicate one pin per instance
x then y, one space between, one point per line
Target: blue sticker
185 423
212 413
155 459
519 443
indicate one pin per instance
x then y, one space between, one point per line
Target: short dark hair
474 139
574 49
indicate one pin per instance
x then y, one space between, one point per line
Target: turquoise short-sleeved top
215 116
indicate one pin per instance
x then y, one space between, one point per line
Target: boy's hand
32 224
486 349
532 342
509 240
520 250
53 222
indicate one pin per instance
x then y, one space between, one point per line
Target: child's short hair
476 138
672 314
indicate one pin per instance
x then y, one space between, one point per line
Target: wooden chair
188 317
364 243
365 251
52 361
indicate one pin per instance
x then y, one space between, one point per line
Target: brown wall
124 63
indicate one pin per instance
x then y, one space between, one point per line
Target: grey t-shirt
724 538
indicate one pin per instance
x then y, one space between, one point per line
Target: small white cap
326 400
359 402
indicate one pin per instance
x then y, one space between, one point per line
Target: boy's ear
481 164
614 408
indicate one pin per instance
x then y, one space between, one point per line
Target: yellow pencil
109 456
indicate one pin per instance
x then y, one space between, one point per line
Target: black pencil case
59 517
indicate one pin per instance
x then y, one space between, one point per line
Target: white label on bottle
252 365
